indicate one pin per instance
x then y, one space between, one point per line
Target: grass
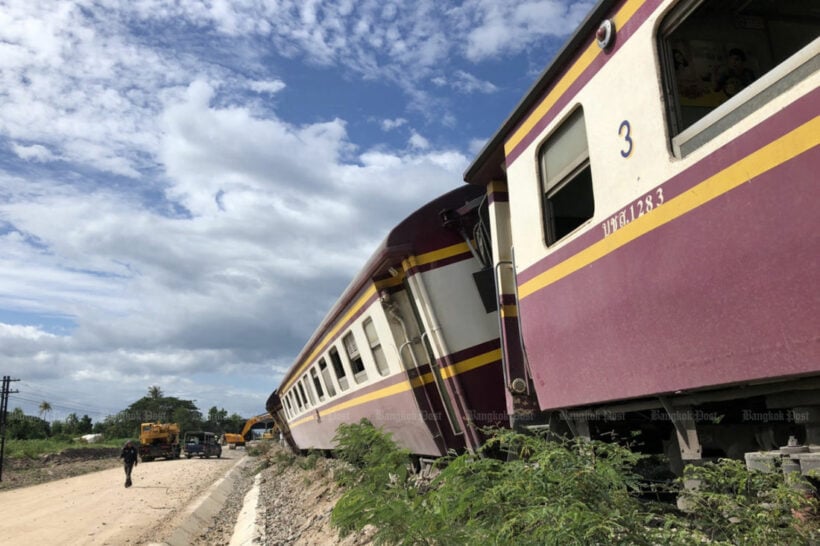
18 449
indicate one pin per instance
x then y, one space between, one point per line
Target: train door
454 321
418 359
519 394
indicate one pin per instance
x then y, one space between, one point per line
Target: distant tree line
155 407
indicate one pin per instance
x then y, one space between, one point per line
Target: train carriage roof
490 163
422 231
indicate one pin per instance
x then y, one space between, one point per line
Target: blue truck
202 444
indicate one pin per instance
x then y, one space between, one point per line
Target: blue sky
186 187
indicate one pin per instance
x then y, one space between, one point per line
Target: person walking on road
129 457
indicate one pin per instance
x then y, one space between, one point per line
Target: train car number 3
625 131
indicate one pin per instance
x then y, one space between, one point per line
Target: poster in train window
709 73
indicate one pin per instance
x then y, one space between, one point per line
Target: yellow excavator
233 440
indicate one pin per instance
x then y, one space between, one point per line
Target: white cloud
35 152
193 233
464 82
495 28
271 87
390 124
418 142
10 332
476 145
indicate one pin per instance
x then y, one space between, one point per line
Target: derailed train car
410 344
653 246
658 187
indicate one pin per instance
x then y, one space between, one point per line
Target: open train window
311 398
323 369
356 362
338 368
288 407
723 59
566 179
375 346
317 385
301 390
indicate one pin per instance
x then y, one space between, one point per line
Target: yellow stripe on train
574 72
404 386
766 158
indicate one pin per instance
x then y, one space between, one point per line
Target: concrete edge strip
199 513
247 530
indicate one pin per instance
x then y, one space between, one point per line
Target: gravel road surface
96 508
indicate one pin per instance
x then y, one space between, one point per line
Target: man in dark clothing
129 457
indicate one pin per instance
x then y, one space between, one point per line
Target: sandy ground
96 508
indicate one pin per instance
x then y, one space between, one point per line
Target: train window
308 391
566 179
298 400
288 407
323 369
317 385
375 346
356 362
338 367
722 60
302 394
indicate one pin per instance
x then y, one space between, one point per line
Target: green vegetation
155 407
34 448
556 492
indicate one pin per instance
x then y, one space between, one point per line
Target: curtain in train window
375 346
356 362
323 369
566 179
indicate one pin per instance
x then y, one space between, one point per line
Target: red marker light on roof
605 34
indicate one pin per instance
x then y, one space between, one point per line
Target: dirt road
96 508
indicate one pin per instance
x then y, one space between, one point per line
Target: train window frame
309 390
773 56
564 166
354 357
287 406
301 388
317 385
327 378
376 349
338 368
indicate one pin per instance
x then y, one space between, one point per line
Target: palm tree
154 392
45 408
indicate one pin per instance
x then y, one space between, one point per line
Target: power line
50 395
84 409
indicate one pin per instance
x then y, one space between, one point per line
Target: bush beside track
526 489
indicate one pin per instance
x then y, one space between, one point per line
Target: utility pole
4 407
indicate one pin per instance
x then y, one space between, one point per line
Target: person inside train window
735 75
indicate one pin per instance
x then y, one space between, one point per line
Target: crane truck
159 440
